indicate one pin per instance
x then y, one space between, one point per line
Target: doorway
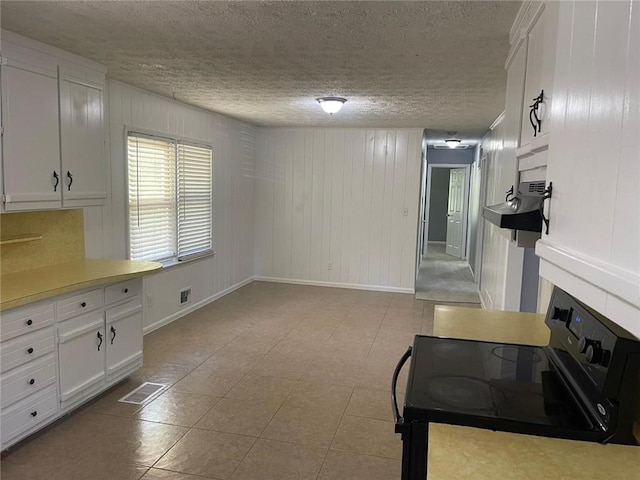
443 272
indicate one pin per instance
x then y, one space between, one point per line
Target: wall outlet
185 295
330 266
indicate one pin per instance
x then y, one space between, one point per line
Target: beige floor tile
89 468
207 453
27 469
164 373
229 362
255 342
272 460
281 366
370 404
185 354
368 436
177 408
299 425
318 396
129 440
353 466
269 389
159 474
247 416
333 371
203 383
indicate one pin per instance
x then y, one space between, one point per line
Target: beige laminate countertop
465 453
20 288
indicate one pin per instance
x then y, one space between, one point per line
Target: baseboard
195 306
435 242
354 286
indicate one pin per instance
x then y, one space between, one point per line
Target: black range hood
522 211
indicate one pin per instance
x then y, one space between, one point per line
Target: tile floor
271 382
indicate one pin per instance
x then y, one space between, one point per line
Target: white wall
502 260
233 145
338 196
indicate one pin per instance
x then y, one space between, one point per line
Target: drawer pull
34 413
125 290
30 350
83 304
32 381
113 334
29 322
99 340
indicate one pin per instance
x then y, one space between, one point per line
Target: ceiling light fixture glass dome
452 142
331 105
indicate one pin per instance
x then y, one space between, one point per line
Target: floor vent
144 393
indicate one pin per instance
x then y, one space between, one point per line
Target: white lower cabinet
58 354
81 357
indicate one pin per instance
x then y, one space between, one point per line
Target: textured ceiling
437 65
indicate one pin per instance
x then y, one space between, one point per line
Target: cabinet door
81 353
82 141
541 39
124 338
30 142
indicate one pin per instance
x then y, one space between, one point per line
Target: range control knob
561 314
584 343
594 354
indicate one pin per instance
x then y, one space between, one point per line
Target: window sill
175 262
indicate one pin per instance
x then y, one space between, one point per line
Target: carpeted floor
444 278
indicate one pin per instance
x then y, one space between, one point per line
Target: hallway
444 278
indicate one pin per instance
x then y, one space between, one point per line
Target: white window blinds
194 200
170 203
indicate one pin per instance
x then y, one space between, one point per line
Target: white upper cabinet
593 246
30 140
82 138
541 36
53 137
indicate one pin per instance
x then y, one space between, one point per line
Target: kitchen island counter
29 286
471 453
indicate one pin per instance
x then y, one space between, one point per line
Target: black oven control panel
594 343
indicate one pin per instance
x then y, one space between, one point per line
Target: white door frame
465 211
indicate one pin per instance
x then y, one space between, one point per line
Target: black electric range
582 386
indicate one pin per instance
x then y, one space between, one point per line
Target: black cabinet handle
125 290
546 194
34 413
32 381
30 350
70 177
57 177
509 194
29 322
100 340
536 122
83 304
113 334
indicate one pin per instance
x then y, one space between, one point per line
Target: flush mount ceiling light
331 105
452 142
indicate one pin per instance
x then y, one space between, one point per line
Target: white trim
605 276
317 283
185 311
519 20
437 242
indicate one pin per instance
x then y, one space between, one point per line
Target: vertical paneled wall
338 206
233 145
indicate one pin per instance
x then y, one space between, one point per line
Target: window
170 198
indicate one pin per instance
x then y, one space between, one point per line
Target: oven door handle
399 421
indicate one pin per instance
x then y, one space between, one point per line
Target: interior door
455 209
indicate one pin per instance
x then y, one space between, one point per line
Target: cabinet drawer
29 413
24 320
122 291
78 304
28 347
29 379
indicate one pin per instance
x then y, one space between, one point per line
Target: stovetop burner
464 392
